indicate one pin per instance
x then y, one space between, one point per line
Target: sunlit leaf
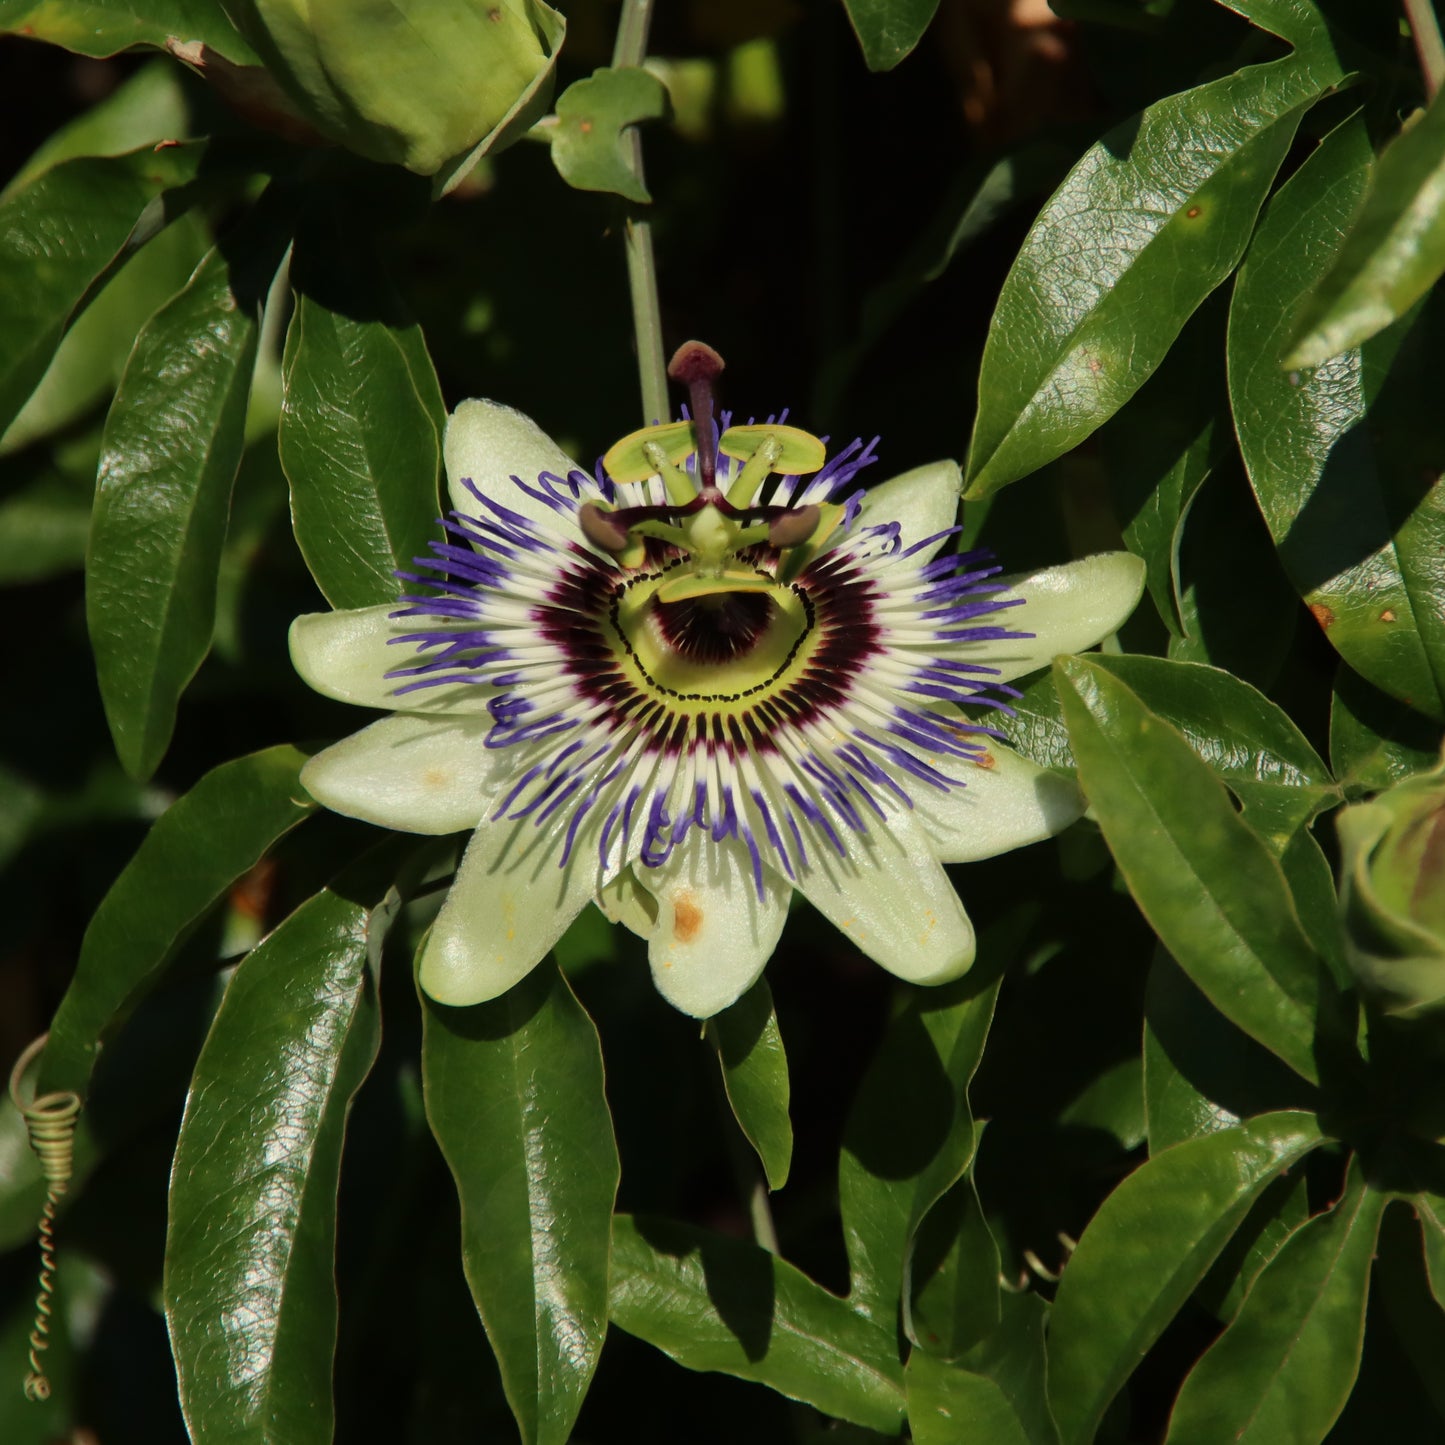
514 1096
103 27
589 144
1145 1251
714 1303
249 1288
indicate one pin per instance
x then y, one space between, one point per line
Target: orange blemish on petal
436 777
686 917
984 761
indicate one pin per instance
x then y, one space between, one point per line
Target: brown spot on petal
984 761
686 917
1323 615
436 777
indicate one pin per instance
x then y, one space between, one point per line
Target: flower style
684 686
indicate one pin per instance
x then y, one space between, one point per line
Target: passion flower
711 673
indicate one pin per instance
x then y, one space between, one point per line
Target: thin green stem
1420 15
631 50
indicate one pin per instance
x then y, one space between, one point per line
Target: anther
697 366
794 527
602 528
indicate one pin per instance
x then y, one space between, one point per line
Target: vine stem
1420 15
631 50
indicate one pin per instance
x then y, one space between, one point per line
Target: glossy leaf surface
1394 252
714 1303
953 1299
361 424
193 853
173 444
249 1289
755 1075
910 1134
102 27
1355 519
1374 739
1282 1371
1145 1251
514 1096
1208 885
995 1393
1140 232
59 236
589 144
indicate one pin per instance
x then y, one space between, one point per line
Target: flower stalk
630 49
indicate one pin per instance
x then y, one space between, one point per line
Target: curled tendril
50 1122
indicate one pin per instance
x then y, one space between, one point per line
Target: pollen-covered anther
793 528
603 528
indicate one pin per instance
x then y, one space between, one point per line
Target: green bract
418 83
1392 893
636 701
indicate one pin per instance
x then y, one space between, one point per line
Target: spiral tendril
50 1122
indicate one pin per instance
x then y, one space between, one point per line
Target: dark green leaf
1431 1210
1352 503
1201 1073
1247 740
755 1076
60 237
995 1395
1413 1311
1272 1218
1394 252
1205 881
1375 740
1145 1251
1282 1371
589 145
361 425
1037 728
1141 231
44 528
173 443
910 1134
103 27
722 1304
1112 1103
889 29
194 852
514 1096
249 1285
953 1299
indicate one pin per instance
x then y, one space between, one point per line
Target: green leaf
889 29
1203 878
910 1134
514 1096
1148 1246
193 853
44 527
589 146
1201 1074
1273 1217
1430 1209
1282 1371
1340 486
1140 232
713 1303
105 27
173 443
250 1293
1393 253
954 1297
361 425
1374 740
1415 1315
1160 449
1247 740
755 1075
995 1395
60 237
147 107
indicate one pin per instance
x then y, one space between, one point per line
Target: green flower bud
416 83
1392 893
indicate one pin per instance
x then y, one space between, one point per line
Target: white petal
893 899
923 502
713 933
1006 801
509 904
1068 608
418 774
347 654
491 444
